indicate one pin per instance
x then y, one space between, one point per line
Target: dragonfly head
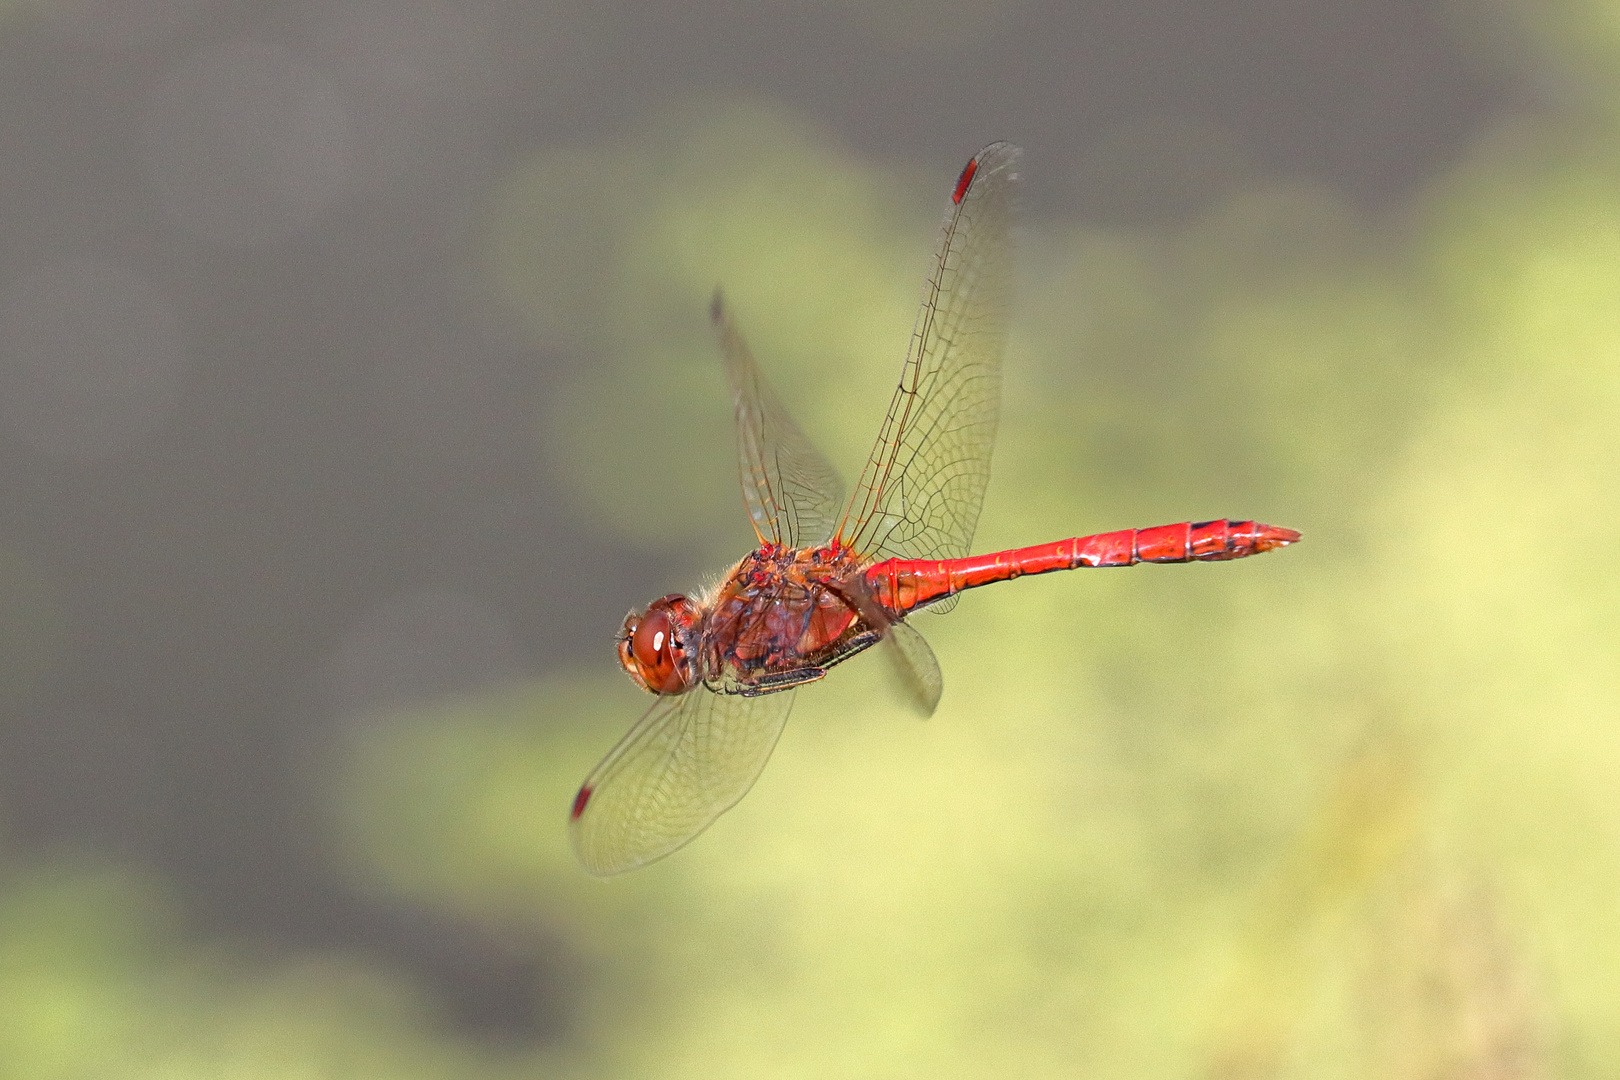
652 645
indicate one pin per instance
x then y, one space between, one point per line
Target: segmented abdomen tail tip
1273 536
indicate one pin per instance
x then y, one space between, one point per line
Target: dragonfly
829 578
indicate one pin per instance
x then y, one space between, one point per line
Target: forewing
688 760
920 493
793 494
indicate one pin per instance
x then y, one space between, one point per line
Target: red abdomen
902 585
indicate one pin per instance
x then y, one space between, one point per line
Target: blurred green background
355 377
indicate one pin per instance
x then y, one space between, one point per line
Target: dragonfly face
653 645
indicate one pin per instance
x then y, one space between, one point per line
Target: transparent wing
793 494
916 670
686 762
920 493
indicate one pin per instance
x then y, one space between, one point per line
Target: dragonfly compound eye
651 647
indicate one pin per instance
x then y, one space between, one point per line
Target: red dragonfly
831 579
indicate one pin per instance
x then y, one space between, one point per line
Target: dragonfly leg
776 681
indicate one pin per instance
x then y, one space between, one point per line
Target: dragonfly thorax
654 645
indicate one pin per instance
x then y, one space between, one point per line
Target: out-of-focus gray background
354 380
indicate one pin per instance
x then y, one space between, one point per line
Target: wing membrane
914 667
920 493
686 762
793 494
